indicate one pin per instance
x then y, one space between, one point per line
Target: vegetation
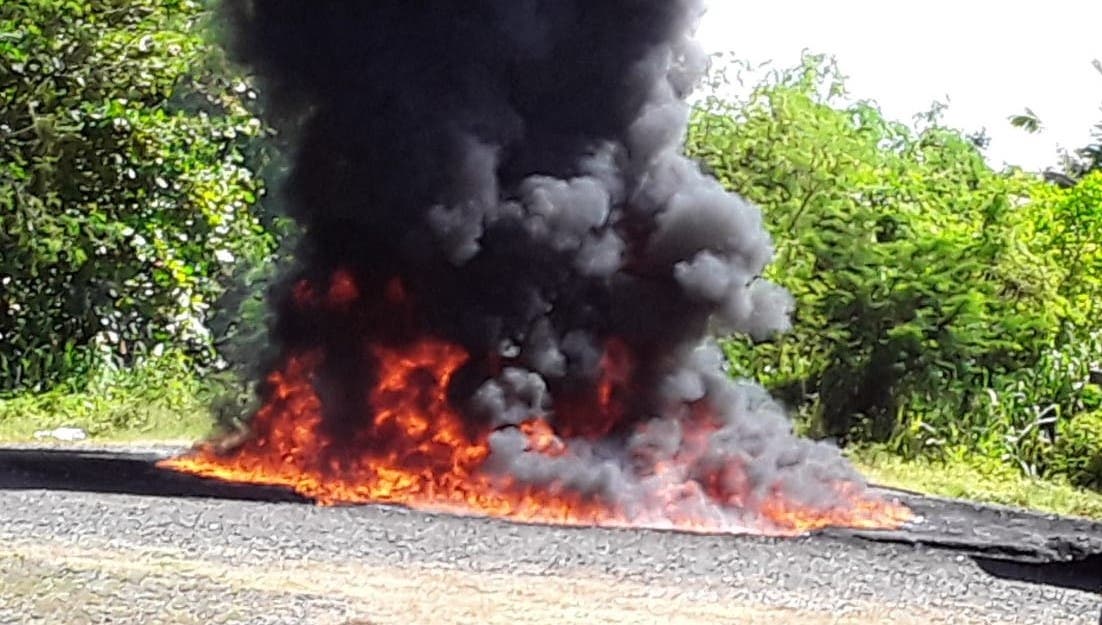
947 312
158 400
981 480
942 307
127 175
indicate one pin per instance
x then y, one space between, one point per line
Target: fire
503 312
542 438
416 450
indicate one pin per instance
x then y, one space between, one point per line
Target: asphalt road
83 557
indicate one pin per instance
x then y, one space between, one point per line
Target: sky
989 60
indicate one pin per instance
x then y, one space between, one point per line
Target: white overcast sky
990 59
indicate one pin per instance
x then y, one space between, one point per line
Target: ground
83 558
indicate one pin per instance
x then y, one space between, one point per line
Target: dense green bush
1064 225
937 299
1078 450
890 239
127 173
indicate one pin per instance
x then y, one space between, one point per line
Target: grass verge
122 422
161 400
985 482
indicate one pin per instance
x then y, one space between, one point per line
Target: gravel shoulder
69 557
332 592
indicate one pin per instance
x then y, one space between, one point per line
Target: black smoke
517 165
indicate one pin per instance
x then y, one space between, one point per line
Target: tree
912 270
127 159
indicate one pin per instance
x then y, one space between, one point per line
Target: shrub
127 160
1064 225
1077 453
943 309
913 286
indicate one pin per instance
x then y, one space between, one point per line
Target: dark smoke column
517 165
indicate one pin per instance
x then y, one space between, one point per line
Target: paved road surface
81 558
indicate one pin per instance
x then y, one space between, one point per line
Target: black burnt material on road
126 473
1004 542
991 531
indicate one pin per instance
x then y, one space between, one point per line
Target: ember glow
509 276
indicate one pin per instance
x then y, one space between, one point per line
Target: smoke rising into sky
499 184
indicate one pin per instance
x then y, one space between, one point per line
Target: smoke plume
507 176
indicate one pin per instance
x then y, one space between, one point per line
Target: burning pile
509 273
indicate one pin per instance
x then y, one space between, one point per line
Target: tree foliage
924 280
127 173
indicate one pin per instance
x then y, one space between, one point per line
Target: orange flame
428 460
542 439
414 449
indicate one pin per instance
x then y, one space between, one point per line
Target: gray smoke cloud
519 165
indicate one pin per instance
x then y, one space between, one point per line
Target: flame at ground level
415 450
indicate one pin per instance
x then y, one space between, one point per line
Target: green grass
161 400
103 421
982 481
